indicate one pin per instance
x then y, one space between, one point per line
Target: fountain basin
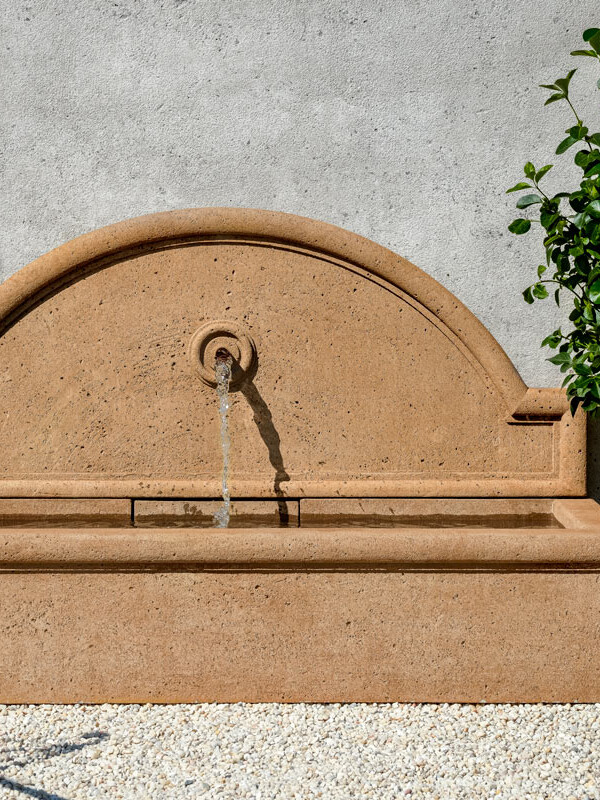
409 518
307 614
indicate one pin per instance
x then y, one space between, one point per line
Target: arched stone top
274 227
155 278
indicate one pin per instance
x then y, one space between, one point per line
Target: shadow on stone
593 458
264 422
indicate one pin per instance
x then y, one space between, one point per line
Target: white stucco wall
401 120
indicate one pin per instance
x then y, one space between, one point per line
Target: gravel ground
274 751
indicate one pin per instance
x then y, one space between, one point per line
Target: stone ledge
342 549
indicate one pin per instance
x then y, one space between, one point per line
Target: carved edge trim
265 548
522 485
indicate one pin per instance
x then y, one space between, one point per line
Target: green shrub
571 225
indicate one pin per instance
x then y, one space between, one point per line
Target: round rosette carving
230 336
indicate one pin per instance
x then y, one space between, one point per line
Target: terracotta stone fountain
409 519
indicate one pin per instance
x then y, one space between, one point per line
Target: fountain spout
223 355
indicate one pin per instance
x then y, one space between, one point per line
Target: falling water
223 375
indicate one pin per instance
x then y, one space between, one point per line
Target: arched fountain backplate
361 375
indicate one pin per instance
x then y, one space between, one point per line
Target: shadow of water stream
52 751
264 422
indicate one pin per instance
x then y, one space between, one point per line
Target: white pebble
333 752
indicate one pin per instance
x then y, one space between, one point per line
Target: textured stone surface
370 380
580 514
403 122
315 548
432 512
314 636
306 615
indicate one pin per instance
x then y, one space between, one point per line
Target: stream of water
223 375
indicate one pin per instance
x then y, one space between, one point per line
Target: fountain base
420 614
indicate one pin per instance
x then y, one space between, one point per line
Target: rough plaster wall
401 120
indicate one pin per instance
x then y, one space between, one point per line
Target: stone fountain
408 523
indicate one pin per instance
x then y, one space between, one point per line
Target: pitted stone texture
354 376
371 378
315 636
387 118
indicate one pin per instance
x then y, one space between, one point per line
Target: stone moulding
434 405
364 391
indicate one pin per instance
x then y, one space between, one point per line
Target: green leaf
548 219
578 131
582 158
527 296
541 172
539 291
593 208
557 297
593 170
549 86
580 219
589 32
529 171
565 144
583 53
593 291
551 239
563 83
519 226
553 98
593 231
528 200
594 40
560 358
595 137
540 270
579 200
553 340
518 186
581 368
